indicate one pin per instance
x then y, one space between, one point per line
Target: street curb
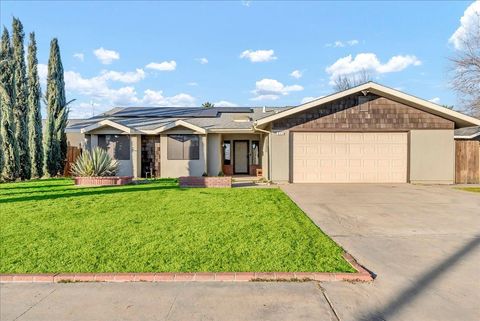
362 275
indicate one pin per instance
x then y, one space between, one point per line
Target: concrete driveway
423 242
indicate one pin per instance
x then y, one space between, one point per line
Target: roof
467 132
153 120
460 119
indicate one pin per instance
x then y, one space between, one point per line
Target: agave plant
95 163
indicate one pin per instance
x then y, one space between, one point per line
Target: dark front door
240 157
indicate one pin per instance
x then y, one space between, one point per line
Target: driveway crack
330 304
34 305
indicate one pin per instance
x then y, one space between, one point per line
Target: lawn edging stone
102 180
362 275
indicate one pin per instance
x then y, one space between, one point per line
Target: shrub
95 163
221 174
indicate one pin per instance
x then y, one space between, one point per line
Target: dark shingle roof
467 131
150 118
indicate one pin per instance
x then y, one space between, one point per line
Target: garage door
350 157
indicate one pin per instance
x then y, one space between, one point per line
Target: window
183 147
226 152
255 152
117 146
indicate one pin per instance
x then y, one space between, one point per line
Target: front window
226 152
255 152
183 147
117 146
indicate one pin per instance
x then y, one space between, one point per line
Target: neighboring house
369 133
467 155
468 133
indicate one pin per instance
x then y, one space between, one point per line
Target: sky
242 53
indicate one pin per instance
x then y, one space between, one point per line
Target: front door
240 158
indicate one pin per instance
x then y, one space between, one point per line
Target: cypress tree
9 146
1 140
20 113
55 137
34 115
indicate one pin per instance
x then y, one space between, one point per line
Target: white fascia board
175 124
231 130
466 137
105 123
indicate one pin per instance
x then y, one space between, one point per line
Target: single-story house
366 134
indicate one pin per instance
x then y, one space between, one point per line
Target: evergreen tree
9 146
55 137
34 115
1 140
20 109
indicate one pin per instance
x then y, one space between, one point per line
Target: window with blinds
183 147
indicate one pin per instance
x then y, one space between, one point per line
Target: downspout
269 148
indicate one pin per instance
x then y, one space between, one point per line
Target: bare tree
466 70
344 82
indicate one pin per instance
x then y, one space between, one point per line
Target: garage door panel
350 157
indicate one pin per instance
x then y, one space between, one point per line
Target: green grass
470 189
53 226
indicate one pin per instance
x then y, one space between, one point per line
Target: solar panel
176 112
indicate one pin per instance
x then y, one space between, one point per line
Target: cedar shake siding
362 113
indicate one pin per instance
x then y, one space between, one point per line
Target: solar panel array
176 112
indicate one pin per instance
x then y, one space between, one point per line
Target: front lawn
53 226
471 189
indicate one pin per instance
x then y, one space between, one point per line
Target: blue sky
240 53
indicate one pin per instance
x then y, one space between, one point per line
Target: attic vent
242 119
363 102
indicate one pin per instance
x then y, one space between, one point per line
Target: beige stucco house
366 134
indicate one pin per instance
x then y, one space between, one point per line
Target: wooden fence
72 154
467 162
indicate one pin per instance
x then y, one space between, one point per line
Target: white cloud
296 74
125 77
80 56
203 60
308 99
370 63
246 3
83 109
98 88
259 55
162 66
192 83
435 100
341 44
42 73
224 103
105 56
469 22
156 98
271 89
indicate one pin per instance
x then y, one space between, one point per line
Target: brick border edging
361 275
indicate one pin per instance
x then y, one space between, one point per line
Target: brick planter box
103 181
195 181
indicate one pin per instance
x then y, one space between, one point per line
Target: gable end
362 113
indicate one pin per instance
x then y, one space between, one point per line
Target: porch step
241 179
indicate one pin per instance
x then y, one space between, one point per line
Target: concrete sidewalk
164 301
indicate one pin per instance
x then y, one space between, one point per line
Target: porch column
135 156
214 154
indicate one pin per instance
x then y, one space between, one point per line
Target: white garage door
350 157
